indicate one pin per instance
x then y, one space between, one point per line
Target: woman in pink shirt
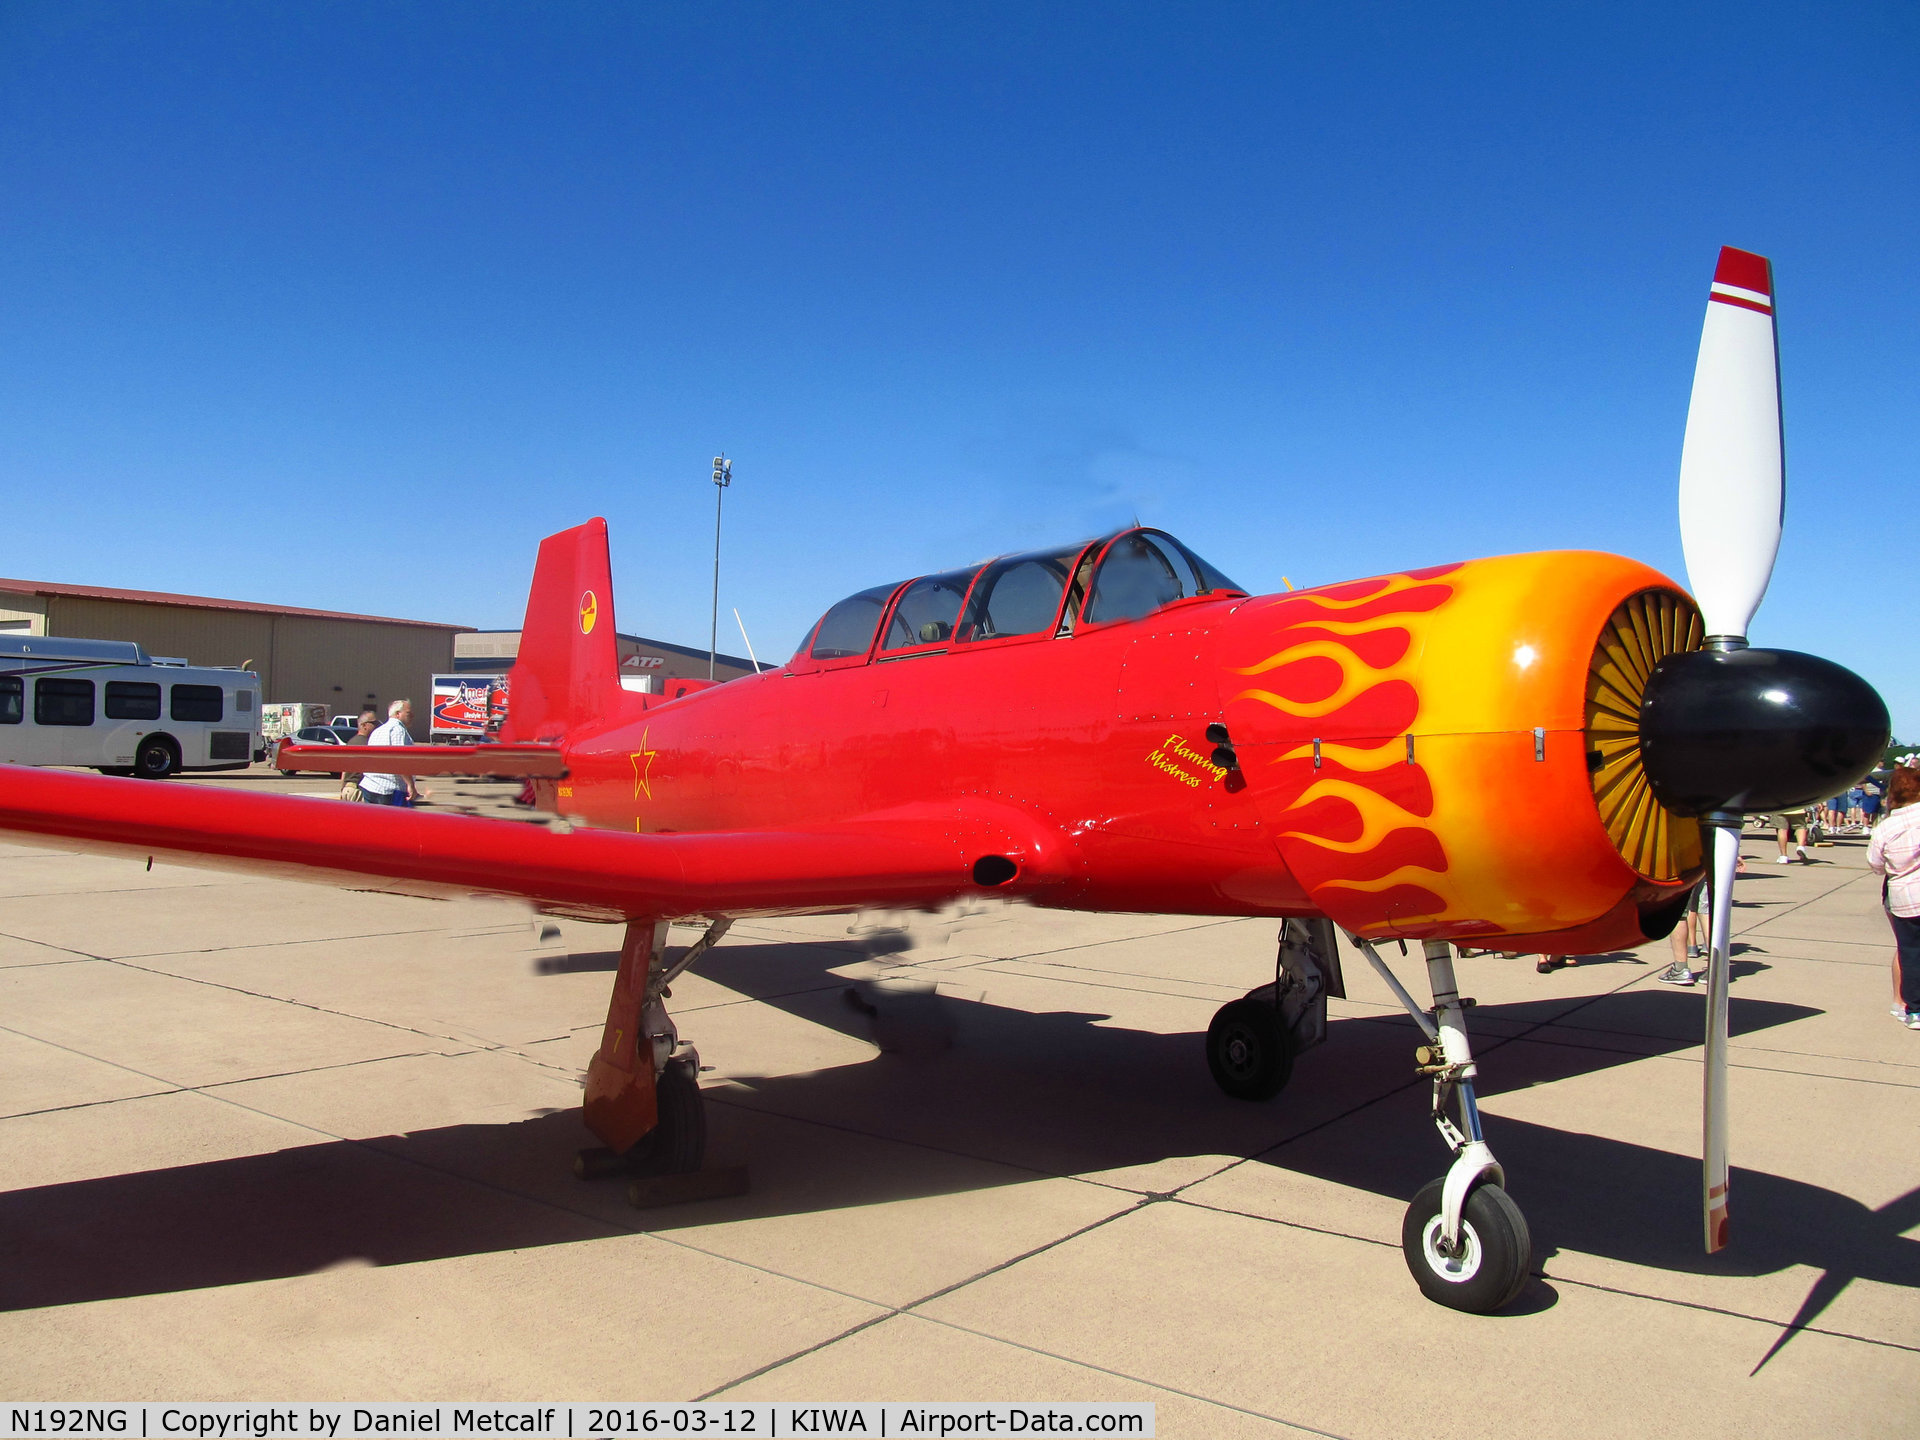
1895 853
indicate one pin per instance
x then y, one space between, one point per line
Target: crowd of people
375 787
1893 854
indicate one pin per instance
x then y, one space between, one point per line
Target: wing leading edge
896 860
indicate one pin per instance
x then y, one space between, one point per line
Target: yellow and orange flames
1417 742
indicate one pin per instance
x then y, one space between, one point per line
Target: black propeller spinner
1749 730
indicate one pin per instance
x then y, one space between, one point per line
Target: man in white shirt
391 789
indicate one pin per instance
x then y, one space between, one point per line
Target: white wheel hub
1457 1268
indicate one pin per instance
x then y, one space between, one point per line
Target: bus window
12 697
926 612
242 701
1017 596
197 702
847 629
62 702
132 700
1138 576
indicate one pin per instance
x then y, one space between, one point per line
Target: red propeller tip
1744 269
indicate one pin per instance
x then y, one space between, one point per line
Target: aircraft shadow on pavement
989 1095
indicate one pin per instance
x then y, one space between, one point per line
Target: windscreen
1019 595
1137 576
1144 570
928 610
847 629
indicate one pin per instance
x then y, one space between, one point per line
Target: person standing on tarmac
1693 937
401 790
350 782
1894 854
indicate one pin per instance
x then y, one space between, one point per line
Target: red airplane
1516 754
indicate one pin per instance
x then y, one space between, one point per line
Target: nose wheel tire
1249 1050
1490 1264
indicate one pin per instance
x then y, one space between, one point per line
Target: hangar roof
203 602
480 645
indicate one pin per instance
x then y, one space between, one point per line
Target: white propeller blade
1713 1120
1732 500
1732 490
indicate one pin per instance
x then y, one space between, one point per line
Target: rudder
567 673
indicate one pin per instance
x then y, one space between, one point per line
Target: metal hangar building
326 657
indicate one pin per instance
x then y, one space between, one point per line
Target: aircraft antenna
743 635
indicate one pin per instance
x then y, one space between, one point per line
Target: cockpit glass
1210 578
928 610
1139 575
1144 570
847 629
1018 595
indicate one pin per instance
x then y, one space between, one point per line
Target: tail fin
568 671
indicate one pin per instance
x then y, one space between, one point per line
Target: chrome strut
1449 1060
655 1023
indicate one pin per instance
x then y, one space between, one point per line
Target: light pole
722 478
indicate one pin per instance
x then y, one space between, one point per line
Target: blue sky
346 305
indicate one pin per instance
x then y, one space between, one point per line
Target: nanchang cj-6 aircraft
1518 754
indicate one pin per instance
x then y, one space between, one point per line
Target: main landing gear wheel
1490 1264
678 1144
1249 1050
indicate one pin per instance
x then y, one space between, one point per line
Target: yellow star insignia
643 769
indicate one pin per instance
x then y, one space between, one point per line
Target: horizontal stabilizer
539 761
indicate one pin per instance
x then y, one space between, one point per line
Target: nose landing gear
1464 1239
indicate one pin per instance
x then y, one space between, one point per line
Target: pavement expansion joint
48 945
1102 944
289 1000
814 1349
714 1096
1788 1329
1286 1224
910 1310
88 1104
1212 1400
282 944
1223 992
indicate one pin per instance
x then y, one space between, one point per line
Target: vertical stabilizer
567 674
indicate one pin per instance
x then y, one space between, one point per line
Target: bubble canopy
1039 594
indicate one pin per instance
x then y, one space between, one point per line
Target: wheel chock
597 1162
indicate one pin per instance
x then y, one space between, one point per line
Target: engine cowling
1454 752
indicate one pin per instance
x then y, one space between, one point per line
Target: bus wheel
155 760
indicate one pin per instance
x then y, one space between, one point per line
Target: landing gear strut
1464 1239
643 1088
1252 1041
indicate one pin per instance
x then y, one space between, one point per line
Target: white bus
108 705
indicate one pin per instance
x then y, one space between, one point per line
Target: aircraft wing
898 861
